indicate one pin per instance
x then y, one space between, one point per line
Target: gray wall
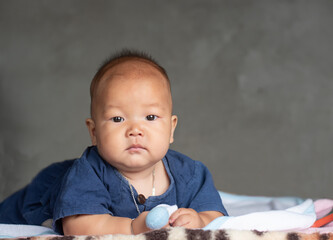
252 85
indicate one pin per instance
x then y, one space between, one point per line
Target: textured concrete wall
252 85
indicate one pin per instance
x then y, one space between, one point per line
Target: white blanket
298 217
18 230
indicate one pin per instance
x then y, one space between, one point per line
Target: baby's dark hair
120 57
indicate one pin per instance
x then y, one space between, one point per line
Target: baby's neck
145 181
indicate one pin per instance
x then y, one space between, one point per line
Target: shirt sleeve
204 195
194 184
82 192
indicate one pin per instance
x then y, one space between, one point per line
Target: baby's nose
135 130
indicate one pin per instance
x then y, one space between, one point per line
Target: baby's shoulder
179 158
183 166
91 158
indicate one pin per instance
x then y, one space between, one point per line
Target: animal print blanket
196 234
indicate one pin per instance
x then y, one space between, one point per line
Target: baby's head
131 111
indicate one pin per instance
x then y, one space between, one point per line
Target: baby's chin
134 165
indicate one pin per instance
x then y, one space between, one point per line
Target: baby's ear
174 120
92 130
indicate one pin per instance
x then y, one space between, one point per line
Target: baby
129 168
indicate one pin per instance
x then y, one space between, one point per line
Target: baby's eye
117 119
151 117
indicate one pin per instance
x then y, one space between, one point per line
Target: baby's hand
186 217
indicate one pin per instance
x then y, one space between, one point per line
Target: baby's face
133 124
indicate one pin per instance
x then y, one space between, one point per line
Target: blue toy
159 216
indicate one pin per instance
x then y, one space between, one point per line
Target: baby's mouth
136 148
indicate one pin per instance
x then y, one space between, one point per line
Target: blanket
197 234
252 218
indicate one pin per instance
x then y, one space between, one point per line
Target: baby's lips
139 146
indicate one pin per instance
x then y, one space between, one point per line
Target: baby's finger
182 220
175 215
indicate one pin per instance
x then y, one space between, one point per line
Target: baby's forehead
133 68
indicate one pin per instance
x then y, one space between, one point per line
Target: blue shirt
89 185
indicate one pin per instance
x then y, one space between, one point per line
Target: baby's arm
189 218
103 224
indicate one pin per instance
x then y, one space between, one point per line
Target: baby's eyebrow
110 106
156 104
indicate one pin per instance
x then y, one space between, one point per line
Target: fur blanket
196 234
